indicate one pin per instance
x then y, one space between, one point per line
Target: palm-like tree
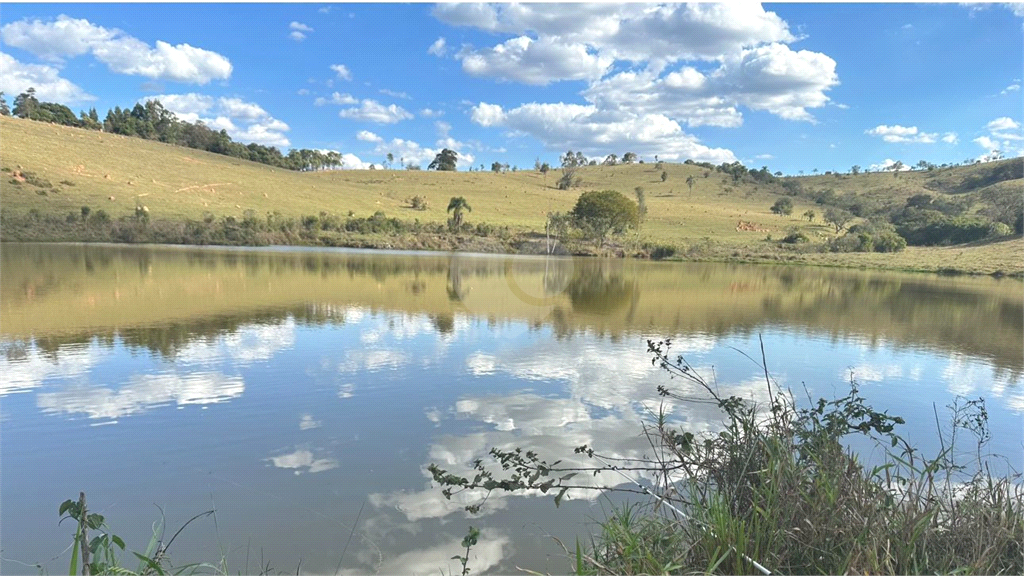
689 182
456 205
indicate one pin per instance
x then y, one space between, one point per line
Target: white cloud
352 162
764 157
238 108
443 128
572 126
429 113
535 62
745 62
667 33
336 98
899 133
395 94
487 115
438 48
986 143
244 121
303 92
373 111
1004 135
887 165
18 77
298 31
342 71
367 136
998 128
1015 87
950 138
123 54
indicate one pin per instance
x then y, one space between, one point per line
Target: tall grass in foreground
777 490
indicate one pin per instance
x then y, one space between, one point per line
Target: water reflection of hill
163 298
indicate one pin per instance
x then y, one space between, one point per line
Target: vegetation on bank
777 490
691 210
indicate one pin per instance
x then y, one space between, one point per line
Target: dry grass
117 173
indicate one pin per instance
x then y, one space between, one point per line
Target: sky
795 87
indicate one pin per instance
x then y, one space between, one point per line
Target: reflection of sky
326 417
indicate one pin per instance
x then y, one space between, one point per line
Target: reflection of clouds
874 373
30 370
488 552
609 389
302 460
306 422
346 390
248 344
142 393
963 374
372 360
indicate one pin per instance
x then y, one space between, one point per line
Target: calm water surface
292 389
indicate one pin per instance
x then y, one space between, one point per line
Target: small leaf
64 507
117 540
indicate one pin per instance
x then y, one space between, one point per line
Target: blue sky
792 86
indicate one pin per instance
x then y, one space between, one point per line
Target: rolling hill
56 170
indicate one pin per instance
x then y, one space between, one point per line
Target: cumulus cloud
888 165
1015 87
742 50
244 121
336 98
124 54
950 138
342 71
373 111
395 94
577 127
298 31
439 48
1003 138
18 77
535 62
899 133
367 136
430 113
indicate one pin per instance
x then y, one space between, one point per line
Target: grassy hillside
67 168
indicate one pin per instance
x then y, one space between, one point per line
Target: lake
303 392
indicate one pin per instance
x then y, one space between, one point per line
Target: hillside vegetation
57 181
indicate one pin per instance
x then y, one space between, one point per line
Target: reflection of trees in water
600 288
444 323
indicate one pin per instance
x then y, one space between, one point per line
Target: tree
611 160
690 181
855 170
25 104
810 215
641 203
445 161
664 175
391 159
456 205
571 163
629 157
496 167
783 206
896 167
598 214
4 110
838 218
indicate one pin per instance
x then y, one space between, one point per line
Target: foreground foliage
777 489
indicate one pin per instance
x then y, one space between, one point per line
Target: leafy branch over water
777 487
